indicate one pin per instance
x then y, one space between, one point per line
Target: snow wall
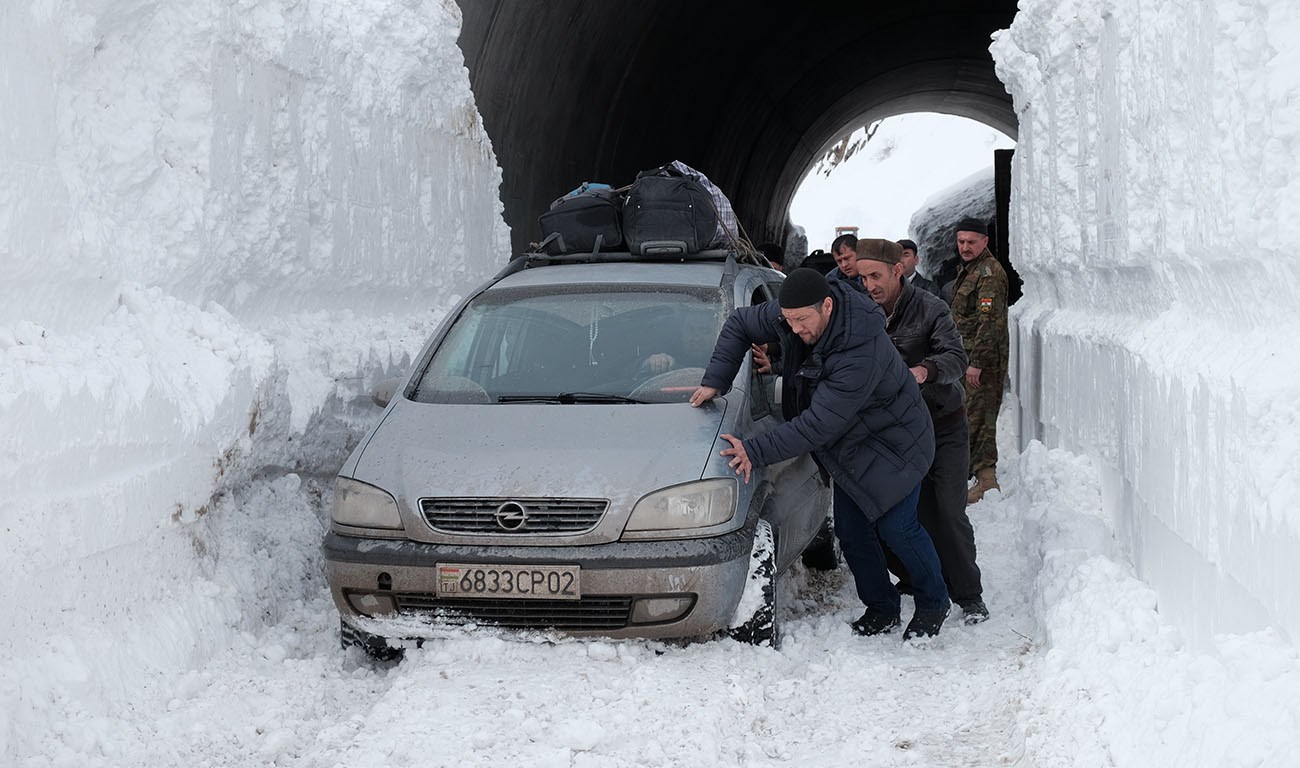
220 224
1154 221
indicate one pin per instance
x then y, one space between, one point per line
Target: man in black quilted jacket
925 334
851 402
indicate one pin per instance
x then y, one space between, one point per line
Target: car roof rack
670 254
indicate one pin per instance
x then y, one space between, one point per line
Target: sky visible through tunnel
908 159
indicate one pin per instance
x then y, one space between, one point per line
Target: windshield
576 344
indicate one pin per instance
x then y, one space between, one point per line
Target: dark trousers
898 528
942 512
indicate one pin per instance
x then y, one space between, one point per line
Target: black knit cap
973 225
803 287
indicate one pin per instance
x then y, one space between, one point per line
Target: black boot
872 623
973 611
925 623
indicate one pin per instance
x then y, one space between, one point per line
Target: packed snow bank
1117 684
262 154
1154 196
220 224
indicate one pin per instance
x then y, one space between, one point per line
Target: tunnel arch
751 94
875 101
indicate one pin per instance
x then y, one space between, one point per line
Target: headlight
693 505
363 506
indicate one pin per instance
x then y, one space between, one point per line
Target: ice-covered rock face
933 225
796 245
1154 198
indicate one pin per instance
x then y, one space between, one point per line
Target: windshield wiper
571 398
597 397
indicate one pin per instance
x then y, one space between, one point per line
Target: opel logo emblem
511 516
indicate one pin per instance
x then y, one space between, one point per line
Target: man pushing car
849 400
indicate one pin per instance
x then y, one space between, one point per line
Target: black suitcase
588 219
666 214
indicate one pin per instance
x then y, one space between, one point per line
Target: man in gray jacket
923 330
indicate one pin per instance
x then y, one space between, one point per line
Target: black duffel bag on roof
587 219
668 213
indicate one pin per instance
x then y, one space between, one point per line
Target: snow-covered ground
220 226
1075 668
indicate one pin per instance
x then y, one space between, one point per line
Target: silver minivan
541 468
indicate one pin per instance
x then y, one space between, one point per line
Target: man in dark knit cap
979 307
850 401
923 330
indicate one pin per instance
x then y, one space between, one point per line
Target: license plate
553 582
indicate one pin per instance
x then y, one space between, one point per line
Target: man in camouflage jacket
979 307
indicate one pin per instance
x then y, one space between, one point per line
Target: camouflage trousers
982 406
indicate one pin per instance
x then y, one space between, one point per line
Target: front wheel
754 621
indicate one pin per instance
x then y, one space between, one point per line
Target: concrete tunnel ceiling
752 94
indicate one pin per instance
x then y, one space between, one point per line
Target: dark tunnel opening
750 94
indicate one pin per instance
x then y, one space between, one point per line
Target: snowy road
289 696
1073 657
283 693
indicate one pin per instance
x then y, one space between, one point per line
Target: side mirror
383 392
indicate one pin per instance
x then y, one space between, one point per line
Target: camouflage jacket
979 307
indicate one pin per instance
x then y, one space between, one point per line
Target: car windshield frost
576 344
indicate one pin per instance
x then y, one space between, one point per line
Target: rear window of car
593 343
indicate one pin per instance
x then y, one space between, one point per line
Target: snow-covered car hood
615 452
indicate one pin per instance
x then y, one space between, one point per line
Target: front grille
595 613
513 516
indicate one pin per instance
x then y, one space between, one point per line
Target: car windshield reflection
576 345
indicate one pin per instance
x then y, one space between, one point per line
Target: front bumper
619 580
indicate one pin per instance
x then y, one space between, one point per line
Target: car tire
755 621
374 646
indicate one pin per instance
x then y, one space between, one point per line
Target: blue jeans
899 529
